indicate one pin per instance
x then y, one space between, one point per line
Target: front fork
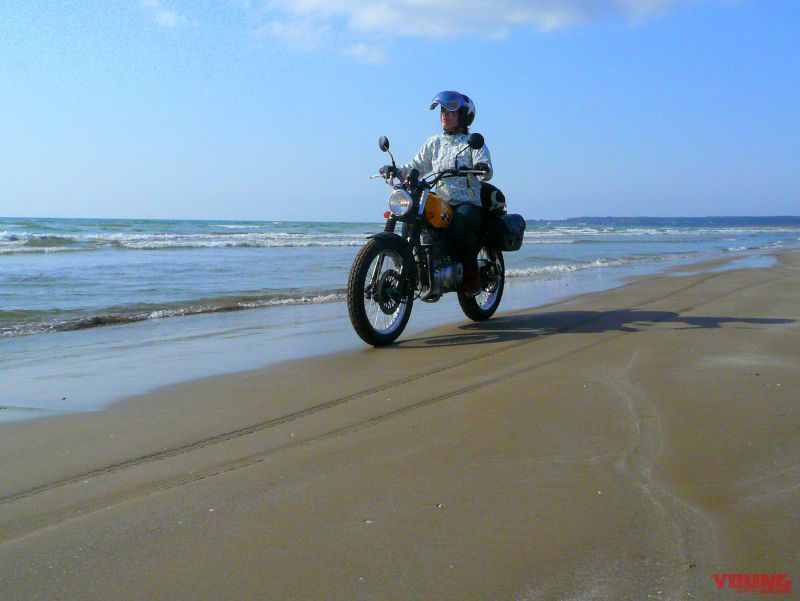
410 264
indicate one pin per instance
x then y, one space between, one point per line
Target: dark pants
462 235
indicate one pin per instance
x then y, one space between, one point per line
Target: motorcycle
393 270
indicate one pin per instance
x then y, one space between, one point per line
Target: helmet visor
452 101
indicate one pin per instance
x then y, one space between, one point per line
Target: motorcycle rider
463 193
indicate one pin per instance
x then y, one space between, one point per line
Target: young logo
754 583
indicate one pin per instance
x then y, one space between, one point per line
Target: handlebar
459 172
439 175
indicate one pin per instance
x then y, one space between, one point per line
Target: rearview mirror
383 143
475 141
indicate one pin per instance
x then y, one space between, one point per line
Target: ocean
93 310
72 274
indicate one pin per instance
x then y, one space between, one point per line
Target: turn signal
386 215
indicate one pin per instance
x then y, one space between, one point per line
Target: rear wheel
492 271
378 310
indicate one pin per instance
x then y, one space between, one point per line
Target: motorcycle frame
414 219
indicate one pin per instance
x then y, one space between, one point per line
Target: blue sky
237 109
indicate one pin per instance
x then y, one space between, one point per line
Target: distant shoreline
712 221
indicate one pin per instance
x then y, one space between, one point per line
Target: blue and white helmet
456 101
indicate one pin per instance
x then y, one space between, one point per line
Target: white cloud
453 18
165 17
352 27
297 34
372 55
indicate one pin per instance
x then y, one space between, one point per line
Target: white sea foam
546 270
302 300
534 238
117 317
561 268
25 242
234 243
249 235
13 250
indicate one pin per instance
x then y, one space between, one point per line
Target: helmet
455 101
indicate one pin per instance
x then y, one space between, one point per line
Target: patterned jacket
438 153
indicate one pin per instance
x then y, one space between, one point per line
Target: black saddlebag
492 200
505 232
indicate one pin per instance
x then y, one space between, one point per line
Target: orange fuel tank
438 211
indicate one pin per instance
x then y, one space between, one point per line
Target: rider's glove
388 170
481 167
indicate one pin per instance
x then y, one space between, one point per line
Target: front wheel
492 270
378 309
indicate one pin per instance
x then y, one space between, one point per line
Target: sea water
95 309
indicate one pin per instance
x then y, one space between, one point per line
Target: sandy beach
626 444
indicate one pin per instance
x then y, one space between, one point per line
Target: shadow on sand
533 325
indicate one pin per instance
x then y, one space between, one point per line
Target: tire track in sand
271 423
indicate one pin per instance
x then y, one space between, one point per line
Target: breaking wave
22 242
37 322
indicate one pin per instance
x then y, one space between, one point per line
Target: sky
271 109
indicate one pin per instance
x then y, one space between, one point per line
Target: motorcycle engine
445 274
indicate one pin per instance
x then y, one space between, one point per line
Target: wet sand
626 444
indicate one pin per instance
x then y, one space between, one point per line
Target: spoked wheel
492 270
378 311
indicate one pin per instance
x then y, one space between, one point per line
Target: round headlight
399 202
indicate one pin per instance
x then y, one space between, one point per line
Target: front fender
390 236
